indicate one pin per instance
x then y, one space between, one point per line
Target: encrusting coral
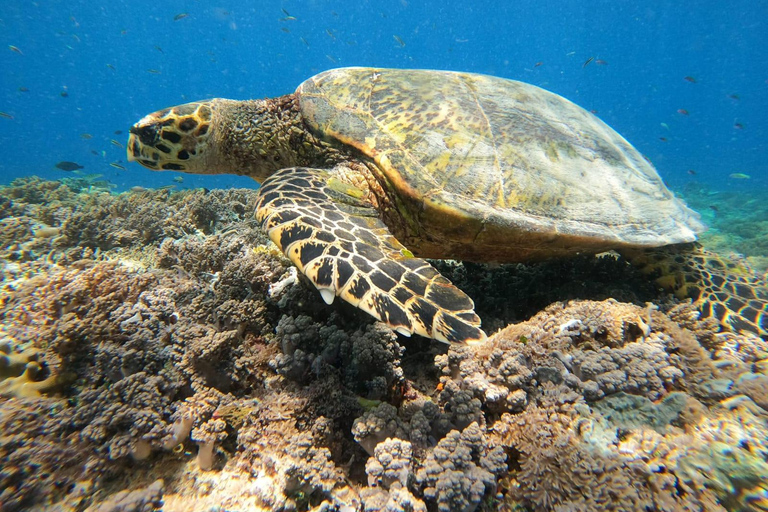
21 375
175 347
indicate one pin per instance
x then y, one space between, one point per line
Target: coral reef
21 375
461 470
156 350
737 221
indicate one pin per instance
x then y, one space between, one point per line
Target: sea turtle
366 171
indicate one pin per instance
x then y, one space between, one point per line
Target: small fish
306 43
331 58
691 172
286 30
15 49
154 71
682 111
587 62
23 89
86 136
570 53
118 132
166 187
285 12
115 143
65 165
399 40
738 126
75 37
179 179
665 126
158 49
689 79
6 115
288 18
117 166
663 139
734 96
137 188
593 112
94 152
330 34
601 62
739 176
110 66
714 208
538 64
64 94
180 16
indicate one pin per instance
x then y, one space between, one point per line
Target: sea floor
158 353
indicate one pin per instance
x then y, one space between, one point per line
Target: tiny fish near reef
360 182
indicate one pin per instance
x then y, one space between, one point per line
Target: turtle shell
484 168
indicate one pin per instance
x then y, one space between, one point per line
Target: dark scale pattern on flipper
728 290
340 244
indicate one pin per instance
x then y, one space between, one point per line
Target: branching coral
115 418
595 348
391 463
377 425
461 470
369 356
290 465
206 436
397 499
42 459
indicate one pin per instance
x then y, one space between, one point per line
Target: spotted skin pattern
340 244
728 290
168 139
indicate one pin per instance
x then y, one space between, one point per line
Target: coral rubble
156 352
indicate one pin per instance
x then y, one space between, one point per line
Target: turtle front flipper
337 240
728 290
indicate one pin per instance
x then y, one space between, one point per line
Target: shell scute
498 157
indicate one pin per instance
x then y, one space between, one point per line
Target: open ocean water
160 376
685 83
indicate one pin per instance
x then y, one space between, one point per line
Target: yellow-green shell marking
493 167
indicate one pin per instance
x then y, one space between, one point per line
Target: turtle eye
147 134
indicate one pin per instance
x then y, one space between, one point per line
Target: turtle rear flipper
337 240
726 289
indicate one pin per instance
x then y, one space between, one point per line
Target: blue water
99 54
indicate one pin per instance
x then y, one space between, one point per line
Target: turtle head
175 139
252 138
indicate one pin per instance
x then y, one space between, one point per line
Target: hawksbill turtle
365 171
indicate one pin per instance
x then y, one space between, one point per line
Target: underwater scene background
157 352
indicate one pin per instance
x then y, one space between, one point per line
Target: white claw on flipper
403 331
327 295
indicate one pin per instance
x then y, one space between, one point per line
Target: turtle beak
143 141
133 145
